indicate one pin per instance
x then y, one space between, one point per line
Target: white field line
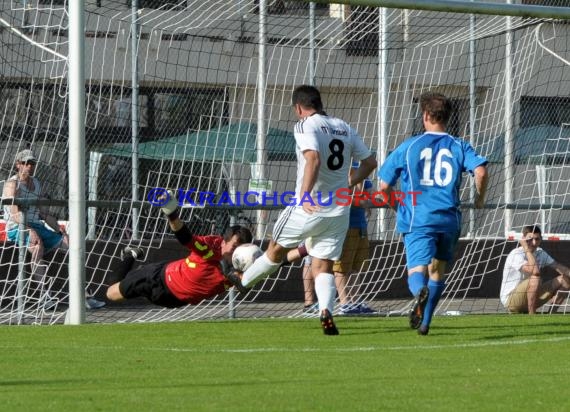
329 350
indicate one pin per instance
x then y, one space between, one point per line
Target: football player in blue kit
431 163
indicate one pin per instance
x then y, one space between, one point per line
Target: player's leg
327 234
114 293
326 292
287 234
265 265
120 270
140 282
436 286
420 248
445 249
126 262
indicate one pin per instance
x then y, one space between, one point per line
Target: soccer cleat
365 309
417 312
135 252
356 309
92 303
423 330
329 328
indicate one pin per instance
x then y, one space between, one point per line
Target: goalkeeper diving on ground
206 272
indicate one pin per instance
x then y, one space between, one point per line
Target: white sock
261 268
325 291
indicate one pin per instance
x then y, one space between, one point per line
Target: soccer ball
245 255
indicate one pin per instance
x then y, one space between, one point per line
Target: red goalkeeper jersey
199 276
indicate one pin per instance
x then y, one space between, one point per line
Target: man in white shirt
326 146
522 288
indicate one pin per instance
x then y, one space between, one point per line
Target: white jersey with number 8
338 144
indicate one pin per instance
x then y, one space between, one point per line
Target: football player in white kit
326 147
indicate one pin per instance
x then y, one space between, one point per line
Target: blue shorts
50 238
421 248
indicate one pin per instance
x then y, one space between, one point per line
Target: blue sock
416 281
435 290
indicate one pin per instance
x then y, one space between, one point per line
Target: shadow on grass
512 327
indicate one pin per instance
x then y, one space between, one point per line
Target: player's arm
310 175
180 230
233 276
386 189
367 166
481 180
381 197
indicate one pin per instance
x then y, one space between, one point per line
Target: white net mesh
198 104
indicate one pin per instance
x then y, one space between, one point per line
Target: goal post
203 90
76 159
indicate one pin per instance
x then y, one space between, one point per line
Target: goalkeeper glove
235 280
170 208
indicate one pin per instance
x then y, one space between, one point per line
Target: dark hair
437 106
308 97
531 229
244 234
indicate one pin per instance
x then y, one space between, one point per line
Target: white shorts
294 225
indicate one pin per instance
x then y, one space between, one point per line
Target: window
296 7
552 3
189 109
160 4
552 111
273 7
105 109
25 105
362 28
52 2
291 7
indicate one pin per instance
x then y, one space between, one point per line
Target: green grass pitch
467 363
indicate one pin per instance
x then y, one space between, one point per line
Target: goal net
202 89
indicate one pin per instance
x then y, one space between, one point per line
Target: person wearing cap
38 238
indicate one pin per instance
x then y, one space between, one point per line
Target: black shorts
148 281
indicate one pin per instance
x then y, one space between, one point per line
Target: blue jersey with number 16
432 165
